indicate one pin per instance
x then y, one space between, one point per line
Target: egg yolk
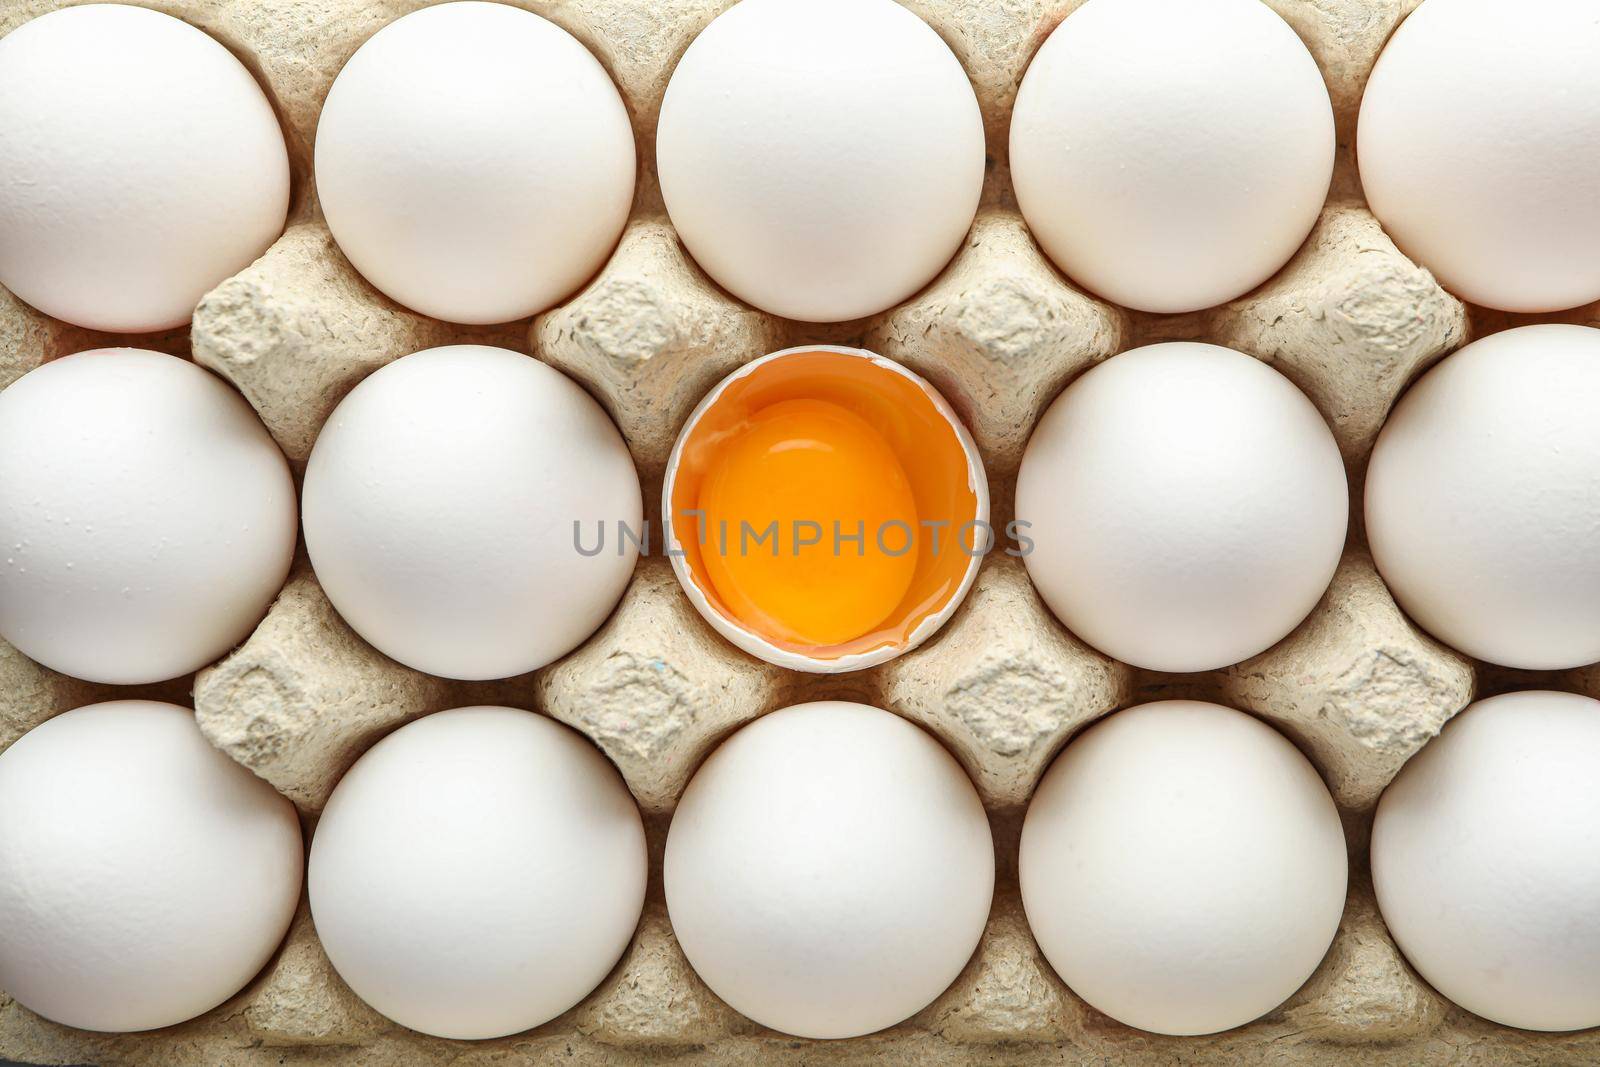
820 501
809 524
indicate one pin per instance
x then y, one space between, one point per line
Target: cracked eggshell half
819 434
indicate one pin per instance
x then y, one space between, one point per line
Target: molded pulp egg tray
1000 332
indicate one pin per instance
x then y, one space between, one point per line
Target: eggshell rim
748 640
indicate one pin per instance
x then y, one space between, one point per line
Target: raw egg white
147 519
1479 146
1486 860
1187 506
1172 154
1183 867
1483 498
477 872
827 509
475 162
144 876
821 159
441 502
143 166
829 870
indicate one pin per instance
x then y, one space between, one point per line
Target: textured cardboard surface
1000 332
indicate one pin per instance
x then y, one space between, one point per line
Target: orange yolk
809 530
818 503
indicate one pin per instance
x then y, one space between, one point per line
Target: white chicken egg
1172 154
475 162
1183 867
829 870
477 872
1483 498
821 159
143 166
1486 860
1479 146
144 876
147 519
472 512
1186 506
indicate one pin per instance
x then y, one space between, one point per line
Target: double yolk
819 502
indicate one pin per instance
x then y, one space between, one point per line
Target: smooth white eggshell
1486 860
477 872
821 159
147 519
1183 867
439 508
829 870
1172 154
475 162
1187 506
747 639
1483 498
1479 147
143 166
144 876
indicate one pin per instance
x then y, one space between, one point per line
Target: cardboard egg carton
1000 332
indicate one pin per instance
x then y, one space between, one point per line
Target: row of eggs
474 514
828 872
821 159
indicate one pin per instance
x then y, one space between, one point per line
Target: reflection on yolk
771 498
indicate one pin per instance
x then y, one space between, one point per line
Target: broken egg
826 510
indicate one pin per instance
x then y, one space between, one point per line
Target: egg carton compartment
1350 320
